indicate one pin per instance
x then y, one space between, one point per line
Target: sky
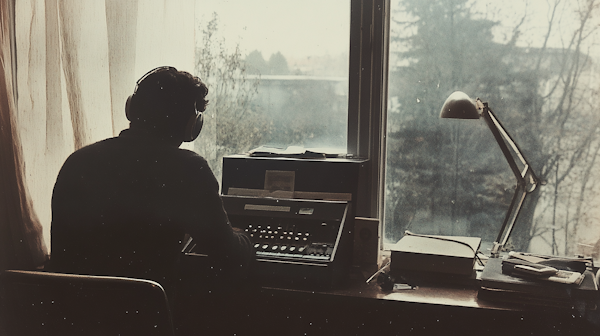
539 12
301 28
295 28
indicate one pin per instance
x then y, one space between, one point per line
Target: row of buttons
279 248
268 227
280 237
271 232
288 251
276 233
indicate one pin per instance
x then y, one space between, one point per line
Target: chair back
45 303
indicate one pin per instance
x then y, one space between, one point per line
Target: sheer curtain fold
70 19
121 18
54 117
21 243
76 63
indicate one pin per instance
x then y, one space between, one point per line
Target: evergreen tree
278 64
446 172
256 64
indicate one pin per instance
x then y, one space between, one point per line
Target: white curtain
77 62
21 243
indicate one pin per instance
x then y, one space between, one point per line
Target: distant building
305 110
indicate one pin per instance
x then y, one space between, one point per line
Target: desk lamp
460 106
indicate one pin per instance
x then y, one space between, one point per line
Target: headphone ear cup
193 127
128 108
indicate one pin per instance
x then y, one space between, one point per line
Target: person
124 206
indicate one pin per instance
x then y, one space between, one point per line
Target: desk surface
434 294
358 308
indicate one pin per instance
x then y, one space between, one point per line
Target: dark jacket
122 206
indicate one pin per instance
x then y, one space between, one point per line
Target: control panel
289 233
289 239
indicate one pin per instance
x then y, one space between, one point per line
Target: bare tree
231 123
569 129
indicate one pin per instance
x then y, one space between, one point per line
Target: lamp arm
521 191
501 135
509 221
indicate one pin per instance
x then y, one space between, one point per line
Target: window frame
367 99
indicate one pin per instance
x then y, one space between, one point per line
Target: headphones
194 124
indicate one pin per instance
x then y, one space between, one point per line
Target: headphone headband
152 72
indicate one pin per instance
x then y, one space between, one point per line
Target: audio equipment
194 124
301 243
299 214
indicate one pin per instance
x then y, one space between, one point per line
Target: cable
379 271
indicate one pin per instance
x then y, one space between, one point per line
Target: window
536 64
279 84
277 73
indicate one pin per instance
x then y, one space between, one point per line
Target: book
493 278
418 278
575 264
521 298
435 254
516 268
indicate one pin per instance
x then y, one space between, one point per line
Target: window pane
536 64
277 72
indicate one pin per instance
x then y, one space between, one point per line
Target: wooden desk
435 294
357 308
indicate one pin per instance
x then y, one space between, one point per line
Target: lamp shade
459 106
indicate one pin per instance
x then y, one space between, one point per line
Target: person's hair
165 100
